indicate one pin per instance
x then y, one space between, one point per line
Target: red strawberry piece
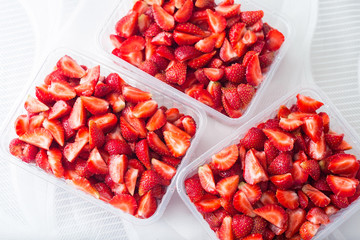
134 58
54 159
266 59
253 71
317 150
128 132
208 205
96 164
281 164
246 93
288 199
56 130
116 101
273 214
116 40
226 158
312 168
254 236
72 150
235 73
321 184
95 105
203 96
96 135
281 140
190 29
270 151
177 143
308 230
145 109
290 124
77 117
214 74
104 191
36 121
135 163
254 138
21 124
117 167
236 33
152 30
316 196
140 7
135 95
330 210
171 161
207 179
206 45
242 225
59 109
114 81
130 178
204 3
165 52
326 121
194 189
216 22
126 26
172 128
164 170
33 105
42 93
201 60
83 184
283 181
157 120
249 38
184 38
162 18
219 37
317 216
185 12
228 11
307 104
163 38
259 225
149 67
296 219
157 145
226 187
39 137
274 40
144 22
343 164
158 192
342 186
251 17
105 122
214 88
333 140
227 52
338 201
70 68
142 152
253 171
172 114
125 202
55 75
68 131
184 53
225 231
176 73
41 160
189 125
299 174
147 206
87 88
28 153
252 192
313 127
248 57
149 179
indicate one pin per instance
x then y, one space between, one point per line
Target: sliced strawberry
147 206
163 38
236 33
55 75
283 181
56 129
54 159
142 152
134 58
162 18
342 186
194 189
266 59
68 131
70 68
164 170
128 132
42 161
96 135
185 12
253 71
249 38
117 167
177 143
21 124
33 105
251 17
176 73
296 219
280 139
116 40
214 74
254 138
235 73
317 216
184 38
313 127
28 152
307 104
157 145
343 164
116 101
208 205
126 26
96 164
115 82
149 179
226 187
190 29
135 95
225 231
42 93
134 163
39 137
201 60
333 140
207 179
172 161
252 192
130 178
72 150
77 116
104 191
125 202
226 158
242 225
82 134
281 164
270 151
316 196
228 11
59 110
274 40
206 45
290 124
288 199
83 184
204 3
94 105
216 22
274 214
340 202
227 52
317 150
312 168
132 44
299 174
253 170
105 122
189 125
308 230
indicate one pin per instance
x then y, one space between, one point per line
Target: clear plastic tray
276 20
167 98
337 123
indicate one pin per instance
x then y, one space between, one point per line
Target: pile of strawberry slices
216 54
106 137
285 178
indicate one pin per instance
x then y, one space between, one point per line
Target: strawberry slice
225 231
226 158
56 129
116 101
299 174
77 116
343 164
149 179
42 161
228 11
145 109
96 164
157 120
39 137
72 150
296 219
289 199
135 95
281 140
177 143
83 184
54 158
274 40
194 189
128 132
147 205
317 216
317 150
117 167
290 124
184 53
312 168
162 18
214 74
164 170
104 191
59 110
242 226
253 71
105 122
201 60
142 152
313 127
157 145
33 105
70 68
55 75
227 52
134 58
233 113
333 140
236 33
342 186
254 138
94 105
226 187
126 26
208 205
124 202
163 38
217 23
206 45
236 74
132 44
282 181
42 93
281 164
130 178
96 135
185 12
308 230
274 214
207 179
253 170
316 196
249 38
251 17
307 104
61 90
252 192
21 124
102 89
184 38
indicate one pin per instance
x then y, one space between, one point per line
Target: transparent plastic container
337 124
168 98
276 20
